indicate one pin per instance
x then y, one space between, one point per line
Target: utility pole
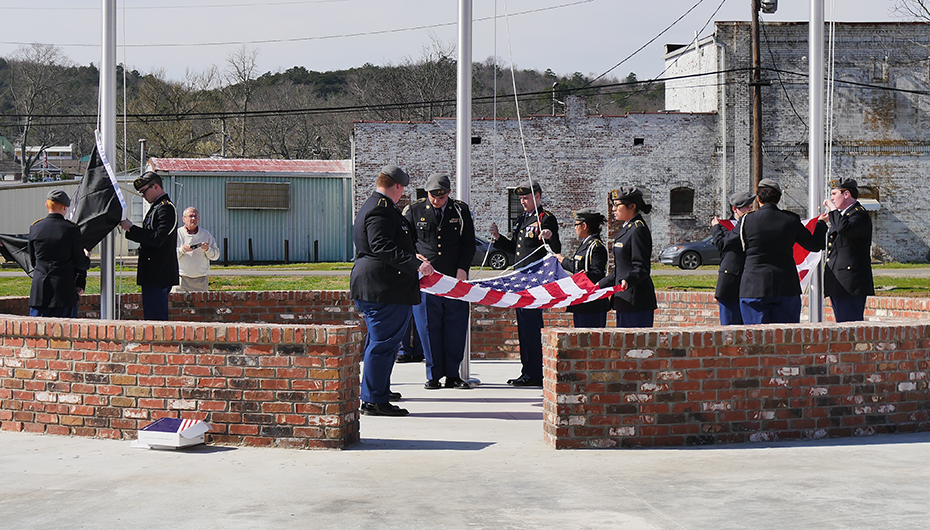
756 84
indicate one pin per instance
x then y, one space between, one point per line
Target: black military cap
528 187
59 196
438 184
769 183
846 184
397 174
144 180
741 199
588 215
626 194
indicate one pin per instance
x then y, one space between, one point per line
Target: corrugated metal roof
248 165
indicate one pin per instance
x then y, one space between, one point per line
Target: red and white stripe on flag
575 289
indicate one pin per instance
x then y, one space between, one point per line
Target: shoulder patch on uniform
418 201
37 220
639 222
383 202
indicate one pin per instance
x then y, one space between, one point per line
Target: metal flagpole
816 145
463 142
108 135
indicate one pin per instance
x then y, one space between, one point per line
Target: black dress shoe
382 409
432 384
457 382
525 381
394 396
404 358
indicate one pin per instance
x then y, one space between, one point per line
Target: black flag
97 207
15 248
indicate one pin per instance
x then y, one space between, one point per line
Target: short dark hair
768 195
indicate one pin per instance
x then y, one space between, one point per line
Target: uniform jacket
524 241
385 269
449 245
768 236
591 257
848 270
732 258
158 258
58 259
632 262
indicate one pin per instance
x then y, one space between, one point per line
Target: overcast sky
587 36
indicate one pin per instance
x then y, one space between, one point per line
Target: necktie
439 215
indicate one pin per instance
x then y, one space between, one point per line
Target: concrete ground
465 459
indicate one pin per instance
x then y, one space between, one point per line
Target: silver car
691 255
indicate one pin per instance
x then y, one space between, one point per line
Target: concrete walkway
465 459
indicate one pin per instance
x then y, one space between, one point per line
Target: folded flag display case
171 433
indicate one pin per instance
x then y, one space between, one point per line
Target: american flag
541 284
804 259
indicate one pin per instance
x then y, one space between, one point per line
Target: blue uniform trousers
771 310
590 320
386 324
635 319
412 347
848 308
442 324
155 303
529 331
730 312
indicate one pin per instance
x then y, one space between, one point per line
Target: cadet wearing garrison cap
58 261
384 285
732 258
635 305
591 257
531 229
446 237
770 291
157 271
847 277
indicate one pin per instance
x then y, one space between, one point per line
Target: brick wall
289 386
701 385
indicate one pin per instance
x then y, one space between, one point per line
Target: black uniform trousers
442 324
529 331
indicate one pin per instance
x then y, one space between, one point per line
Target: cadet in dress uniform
446 237
636 303
847 277
770 291
384 285
591 257
157 271
531 228
731 261
58 261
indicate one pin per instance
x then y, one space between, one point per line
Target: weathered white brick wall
576 158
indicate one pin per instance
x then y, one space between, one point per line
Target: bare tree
241 73
917 9
37 86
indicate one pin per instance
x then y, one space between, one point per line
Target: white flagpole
108 133
463 139
816 145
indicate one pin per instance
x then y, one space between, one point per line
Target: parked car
497 259
691 255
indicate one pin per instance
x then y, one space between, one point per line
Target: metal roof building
301 208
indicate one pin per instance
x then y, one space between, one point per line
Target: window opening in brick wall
681 202
868 192
639 141
421 193
258 195
475 140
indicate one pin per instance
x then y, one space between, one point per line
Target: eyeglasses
579 224
145 189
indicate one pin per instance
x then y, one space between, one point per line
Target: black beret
59 196
846 184
627 194
144 180
397 174
589 215
527 187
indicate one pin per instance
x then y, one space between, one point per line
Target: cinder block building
689 158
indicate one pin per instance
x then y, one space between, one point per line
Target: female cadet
591 257
636 303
